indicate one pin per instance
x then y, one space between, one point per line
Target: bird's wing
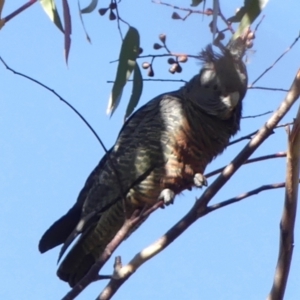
60 230
137 151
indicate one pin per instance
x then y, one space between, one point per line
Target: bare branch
250 135
60 98
276 61
19 10
289 213
189 10
122 273
244 196
155 80
78 114
200 206
228 24
118 19
267 88
259 115
258 24
169 54
249 161
138 216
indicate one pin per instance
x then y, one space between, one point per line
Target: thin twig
122 273
155 80
79 115
267 88
60 98
244 196
228 24
19 10
250 135
258 24
276 61
287 223
189 10
259 115
118 19
161 55
249 161
201 204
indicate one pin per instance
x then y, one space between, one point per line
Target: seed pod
146 65
251 35
157 46
171 61
173 68
162 38
209 12
176 16
179 68
113 5
150 72
112 16
249 44
102 11
221 36
183 58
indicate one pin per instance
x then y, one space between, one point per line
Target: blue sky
47 154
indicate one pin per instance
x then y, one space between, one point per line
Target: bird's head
223 79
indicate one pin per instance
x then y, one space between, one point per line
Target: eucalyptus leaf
196 2
137 88
68 28
127 62
253 8
50 9
90 7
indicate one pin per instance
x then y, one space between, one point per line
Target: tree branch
122 273
19 10
138 217
250 135
249 161
267 88
276 61
60 98
200 206
78 114
289 213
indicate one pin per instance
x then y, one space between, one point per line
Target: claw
200 180
167 196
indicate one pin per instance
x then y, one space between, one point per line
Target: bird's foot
167 196
200 180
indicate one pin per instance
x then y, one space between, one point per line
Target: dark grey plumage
162 149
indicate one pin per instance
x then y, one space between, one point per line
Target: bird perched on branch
162 149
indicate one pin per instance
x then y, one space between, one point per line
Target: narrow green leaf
137 88
50 9
252 10
83 25
238 15
68 28
127 61
196 2
90 7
